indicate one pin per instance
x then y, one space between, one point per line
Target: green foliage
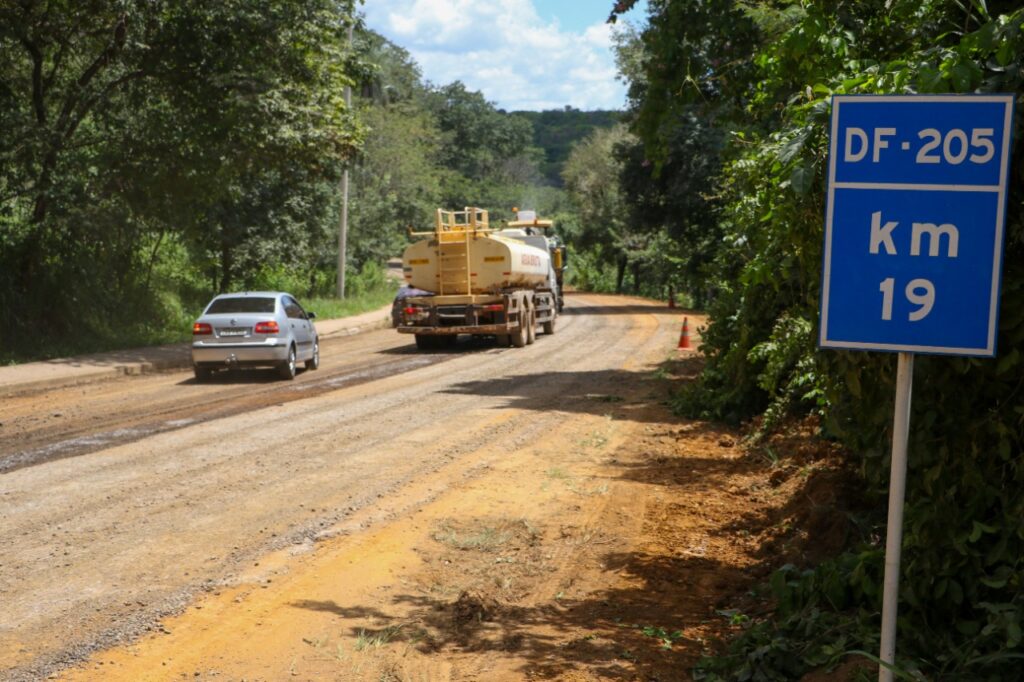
155 153
480 142
761 74
606 238
557 130
396 182
131 126
590 273
667 638
789 373
811 626
365 290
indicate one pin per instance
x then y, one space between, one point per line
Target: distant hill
556 130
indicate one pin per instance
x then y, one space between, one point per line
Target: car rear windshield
241 304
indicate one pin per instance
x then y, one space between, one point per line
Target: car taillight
266 328
200 328
411 310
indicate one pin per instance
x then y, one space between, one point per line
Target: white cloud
599 35
504 49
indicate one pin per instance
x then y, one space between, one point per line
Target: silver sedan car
254 329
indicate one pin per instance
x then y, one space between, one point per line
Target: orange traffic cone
684 335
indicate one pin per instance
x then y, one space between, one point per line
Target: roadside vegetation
155 154
726 154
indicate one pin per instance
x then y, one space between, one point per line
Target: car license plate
233 331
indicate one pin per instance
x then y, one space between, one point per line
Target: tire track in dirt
160 421
27 444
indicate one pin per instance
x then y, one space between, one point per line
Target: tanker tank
492 262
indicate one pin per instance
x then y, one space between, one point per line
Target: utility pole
343 231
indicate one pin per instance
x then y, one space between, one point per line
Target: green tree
592 179
556 130
483 145
396 181
762 74
131 125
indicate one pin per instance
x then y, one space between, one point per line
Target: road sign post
913 251
894 524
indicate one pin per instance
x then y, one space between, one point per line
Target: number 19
919 292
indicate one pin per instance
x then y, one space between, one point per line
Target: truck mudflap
468 329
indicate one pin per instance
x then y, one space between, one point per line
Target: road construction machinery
500 282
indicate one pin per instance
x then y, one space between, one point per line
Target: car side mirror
310 316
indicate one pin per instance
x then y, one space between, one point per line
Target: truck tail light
494 307
201 328
266 328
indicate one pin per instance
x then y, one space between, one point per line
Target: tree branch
68 122
86 105
103 59
38 105
120 32
57 60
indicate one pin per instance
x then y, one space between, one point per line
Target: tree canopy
730 101
155 153
132 125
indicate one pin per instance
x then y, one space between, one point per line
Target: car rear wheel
203 374
314 362
286 370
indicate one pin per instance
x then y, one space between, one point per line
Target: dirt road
478 514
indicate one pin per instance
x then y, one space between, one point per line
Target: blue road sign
914 223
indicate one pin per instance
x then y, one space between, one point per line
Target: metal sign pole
894 527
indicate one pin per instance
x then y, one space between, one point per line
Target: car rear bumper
269 352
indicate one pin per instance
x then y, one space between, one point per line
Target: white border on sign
1000 190
997 255
923 188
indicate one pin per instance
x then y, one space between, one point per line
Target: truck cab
528 229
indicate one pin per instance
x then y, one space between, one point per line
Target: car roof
254 294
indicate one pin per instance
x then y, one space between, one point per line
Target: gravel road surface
122 501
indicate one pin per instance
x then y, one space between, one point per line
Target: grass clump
482 535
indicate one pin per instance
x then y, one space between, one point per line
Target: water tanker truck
485 282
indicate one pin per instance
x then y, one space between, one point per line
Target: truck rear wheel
549 326
519 335
531 327
425 342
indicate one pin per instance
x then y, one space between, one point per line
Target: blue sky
522 54
577 15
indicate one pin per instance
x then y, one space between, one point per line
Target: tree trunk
621 274
225 267
636 278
